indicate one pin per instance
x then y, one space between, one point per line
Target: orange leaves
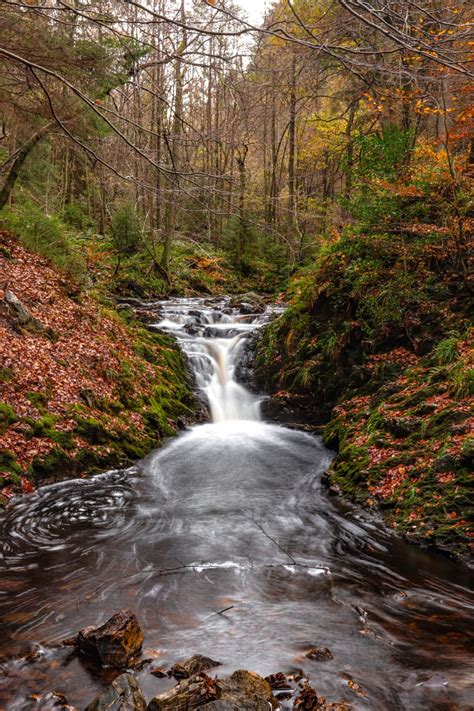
390 483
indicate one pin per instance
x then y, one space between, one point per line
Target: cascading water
213 340
225 544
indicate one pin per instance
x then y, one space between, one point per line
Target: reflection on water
230 516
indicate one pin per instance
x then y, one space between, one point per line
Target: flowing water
225 543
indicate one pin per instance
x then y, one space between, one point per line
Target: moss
38 400
7 416
93 430
9 464
53 466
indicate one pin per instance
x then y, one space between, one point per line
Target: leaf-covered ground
376 345
88 392
409 447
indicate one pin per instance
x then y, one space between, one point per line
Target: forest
236 252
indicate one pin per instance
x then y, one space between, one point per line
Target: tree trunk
18 162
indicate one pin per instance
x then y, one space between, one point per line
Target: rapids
225 543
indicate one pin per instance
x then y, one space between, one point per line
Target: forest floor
84 387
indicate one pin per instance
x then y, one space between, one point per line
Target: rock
243 691
249 303
129 301
20 313
446 463
53 700
147 315
194 665
402 426
188 694
308 700
123 694
114 643
319 654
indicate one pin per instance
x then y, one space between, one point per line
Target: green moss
93 430
9 463
38 400
7 416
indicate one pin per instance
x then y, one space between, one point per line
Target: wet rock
319 654
114 643
249 303
53 700
308 700
147 315
243 691
123 694
159 672
194 665
129 301
188 694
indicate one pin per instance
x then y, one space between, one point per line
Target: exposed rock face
114 643
243 691
123 694
195 665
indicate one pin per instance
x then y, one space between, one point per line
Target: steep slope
81 389
376 345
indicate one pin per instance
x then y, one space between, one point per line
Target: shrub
45 235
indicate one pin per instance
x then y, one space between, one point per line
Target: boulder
249 303
21 316
243 691
192 666
188 694
123 694
114 643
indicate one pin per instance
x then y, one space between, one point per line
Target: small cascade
212 335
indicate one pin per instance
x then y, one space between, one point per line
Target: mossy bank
376 346
90 390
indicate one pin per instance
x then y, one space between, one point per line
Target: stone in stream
249 303
308 700
123 694
114 643
192 666
244 690
319 654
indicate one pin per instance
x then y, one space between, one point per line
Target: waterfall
213 341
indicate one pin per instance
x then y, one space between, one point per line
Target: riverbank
376 349
84 387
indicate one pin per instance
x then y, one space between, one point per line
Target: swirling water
225 543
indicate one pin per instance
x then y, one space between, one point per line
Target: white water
213 342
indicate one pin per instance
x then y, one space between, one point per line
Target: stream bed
225 543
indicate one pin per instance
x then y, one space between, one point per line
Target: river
225 543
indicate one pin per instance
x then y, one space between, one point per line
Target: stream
225 543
